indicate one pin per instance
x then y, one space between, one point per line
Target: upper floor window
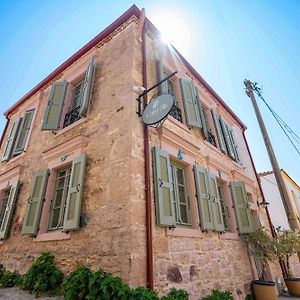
224 207
210 136
53 118
18 136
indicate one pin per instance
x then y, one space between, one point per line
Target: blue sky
229 41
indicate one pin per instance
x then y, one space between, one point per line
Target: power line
285 128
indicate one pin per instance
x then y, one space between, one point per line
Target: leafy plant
262 247
9 279
142 293
219 295
287 243
76 285
176 294
43 276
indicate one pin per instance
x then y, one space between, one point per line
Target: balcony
72 116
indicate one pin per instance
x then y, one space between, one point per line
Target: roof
132 11
288 177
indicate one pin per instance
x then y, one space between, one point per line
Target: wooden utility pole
280 183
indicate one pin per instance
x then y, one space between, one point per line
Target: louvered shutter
35 203
220 135
74 198
202 117
241 207
55 105
216 205
227 137
86 89
164 197
191 106
23 132
9 210
236 155
11 140
203 196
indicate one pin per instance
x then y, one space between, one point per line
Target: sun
174 31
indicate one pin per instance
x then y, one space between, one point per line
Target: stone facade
112 233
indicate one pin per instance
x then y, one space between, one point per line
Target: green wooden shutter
241 207
203 196
227 137
11 140
86 89
191 106
74 198
55 104
216 205
9 210
202 117
220 135
164 197
236 154
35 203
23 132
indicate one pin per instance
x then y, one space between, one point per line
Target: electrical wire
290 134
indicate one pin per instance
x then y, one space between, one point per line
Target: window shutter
11 140
217 212
86 89
74 199
191 106
227 138
236 154
164 197
219 131
8 213
23 132
35 203
203 197
242 210
55 105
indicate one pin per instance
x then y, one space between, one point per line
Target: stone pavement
17 294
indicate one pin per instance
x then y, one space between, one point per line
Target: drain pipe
273 232
149 246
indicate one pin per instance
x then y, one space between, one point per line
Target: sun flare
173 30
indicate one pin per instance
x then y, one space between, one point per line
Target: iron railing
176 113
211 138
72 116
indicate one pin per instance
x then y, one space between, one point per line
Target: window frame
224 206
177 204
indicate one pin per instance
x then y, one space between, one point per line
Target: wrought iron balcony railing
176 113
72 116
212 139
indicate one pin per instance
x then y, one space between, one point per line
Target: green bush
9 279
219 295
142 293
176 294
43 277
76 285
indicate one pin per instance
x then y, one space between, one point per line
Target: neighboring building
72 176
283 216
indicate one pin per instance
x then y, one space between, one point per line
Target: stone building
77 177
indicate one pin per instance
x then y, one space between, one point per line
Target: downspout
4 131
273 232
149 247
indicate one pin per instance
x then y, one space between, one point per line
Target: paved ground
16 294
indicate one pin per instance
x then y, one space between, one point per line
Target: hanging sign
158 108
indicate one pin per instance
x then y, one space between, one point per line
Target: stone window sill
212 147
52 236
75 124
184 232
16 158
229 236
179 124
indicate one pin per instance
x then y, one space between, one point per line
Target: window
224 208
8 198
180 197
211 138
18 136
59 198
175 112
67 185
73 114
53 118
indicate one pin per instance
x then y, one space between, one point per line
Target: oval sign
158 109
